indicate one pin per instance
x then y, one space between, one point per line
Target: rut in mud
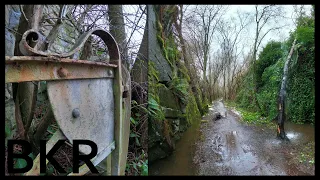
229 147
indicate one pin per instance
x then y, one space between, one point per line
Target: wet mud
228 146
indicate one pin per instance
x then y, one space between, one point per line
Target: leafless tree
202 21
264 16
51 22
230 32
188 61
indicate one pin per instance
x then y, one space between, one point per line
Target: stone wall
173 113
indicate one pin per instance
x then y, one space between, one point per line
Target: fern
180 88
154 109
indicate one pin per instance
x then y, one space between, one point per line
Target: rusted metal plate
84 109
21 69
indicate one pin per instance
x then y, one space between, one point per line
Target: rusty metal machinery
89 99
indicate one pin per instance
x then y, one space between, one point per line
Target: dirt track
229 147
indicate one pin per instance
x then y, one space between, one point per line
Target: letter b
26 150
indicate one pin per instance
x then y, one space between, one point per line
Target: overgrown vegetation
172 107
62 25
301 80
268 74
155 111
137 158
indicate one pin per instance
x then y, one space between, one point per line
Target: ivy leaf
133 121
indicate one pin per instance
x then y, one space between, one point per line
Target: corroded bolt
62 72
76 113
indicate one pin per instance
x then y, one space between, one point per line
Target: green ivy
301 79
270 54
300 89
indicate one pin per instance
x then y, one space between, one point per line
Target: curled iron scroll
30 39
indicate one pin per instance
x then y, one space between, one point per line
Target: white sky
246 38
273 35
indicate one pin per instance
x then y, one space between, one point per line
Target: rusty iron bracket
38 68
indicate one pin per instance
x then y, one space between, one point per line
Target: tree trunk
224 84
187 63
254 58
117 29
192 83
139 71
282 96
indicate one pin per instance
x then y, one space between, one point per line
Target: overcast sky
134 34
248 39
273 35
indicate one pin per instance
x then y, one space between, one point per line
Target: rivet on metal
76 113
62 72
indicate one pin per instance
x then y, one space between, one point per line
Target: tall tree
209 18
299 13
263 17
230 35
202 22
187 61
117 29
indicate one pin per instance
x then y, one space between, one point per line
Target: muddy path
230 147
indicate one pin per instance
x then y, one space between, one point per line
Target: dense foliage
269 56
268 72
301 80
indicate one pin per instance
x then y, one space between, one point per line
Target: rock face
178 114
155 51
